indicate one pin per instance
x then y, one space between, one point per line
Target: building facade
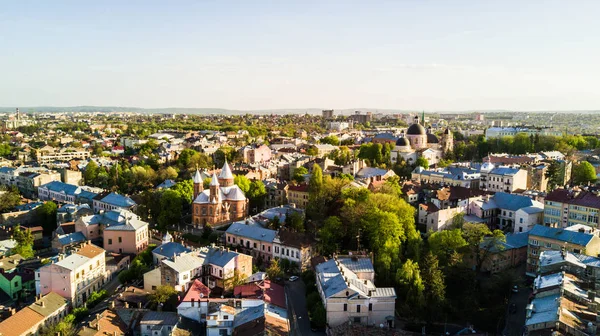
223 203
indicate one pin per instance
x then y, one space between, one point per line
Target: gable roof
197 291
513 202
170 249
20 323
51 303
573 237
252 232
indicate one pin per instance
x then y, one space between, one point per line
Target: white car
293 278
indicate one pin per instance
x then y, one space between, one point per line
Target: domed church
419 141
223 203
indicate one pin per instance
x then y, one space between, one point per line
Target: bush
96 297
312 299
77 315
318 315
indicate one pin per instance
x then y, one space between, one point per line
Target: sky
252 55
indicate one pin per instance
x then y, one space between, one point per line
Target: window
225 317
345 307
358 308
110 242
370 307
269 248
263 247
229 239
521 220
153 287
534 242
254 245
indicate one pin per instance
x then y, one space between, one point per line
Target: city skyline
430 56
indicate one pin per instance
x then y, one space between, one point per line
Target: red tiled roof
583 198
195 290
268 291
299 188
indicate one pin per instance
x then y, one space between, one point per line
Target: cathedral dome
416 129
401 142
432 138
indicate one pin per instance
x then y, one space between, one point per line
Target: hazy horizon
400 55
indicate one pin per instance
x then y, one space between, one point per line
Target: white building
503 178
346 287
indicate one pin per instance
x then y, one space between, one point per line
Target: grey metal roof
160 318
184 262
220 258
170 249
358 265
252 232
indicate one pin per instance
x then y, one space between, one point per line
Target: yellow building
573 239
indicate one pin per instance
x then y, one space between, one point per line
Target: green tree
584 173
315 184
482 241
446 242
299 174
411 286
422 162
458 220
274 271
171 203
256 195
24 241
168 173
162 294
243 182
332 140
318 315
434 287
91 172
9 198
295 221
330 235
312 151
46 214
552 174
186 189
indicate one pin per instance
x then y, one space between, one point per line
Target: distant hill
206 111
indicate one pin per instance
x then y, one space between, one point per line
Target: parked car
515 289
293 278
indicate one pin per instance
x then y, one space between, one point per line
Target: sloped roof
226 172
513 202
118 200
51 303
170 249
21 322
197 291
252 232
573 237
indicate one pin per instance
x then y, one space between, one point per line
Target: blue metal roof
511 202
220 258
517 240
6 170
252 232
504 171
75 237
170 249
118 200
28 206
573 237
58 186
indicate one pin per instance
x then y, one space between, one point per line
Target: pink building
132 237
74 277
258 154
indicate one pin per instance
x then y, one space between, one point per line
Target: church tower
447 141
226 176
198 184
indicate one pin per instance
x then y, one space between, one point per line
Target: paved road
297 312
516 321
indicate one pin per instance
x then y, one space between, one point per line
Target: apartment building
214 265
449 176
507 211
44 312
573 239
298 195
347 289
27 179
74 277
508 254
131 237
256 154
295 247
564 300
257 240
67 193
50 154
571 207
107 201
503 178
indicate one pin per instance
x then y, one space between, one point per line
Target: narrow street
297 312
